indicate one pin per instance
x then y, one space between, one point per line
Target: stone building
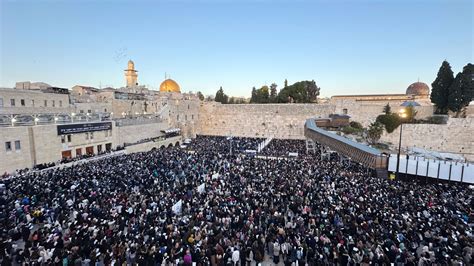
25 101
41 124
418 91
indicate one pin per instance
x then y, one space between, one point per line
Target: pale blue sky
347 46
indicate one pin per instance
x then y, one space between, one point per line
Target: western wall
259 120
287 121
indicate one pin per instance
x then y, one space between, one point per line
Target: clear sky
347 47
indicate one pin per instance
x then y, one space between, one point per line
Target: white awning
171 130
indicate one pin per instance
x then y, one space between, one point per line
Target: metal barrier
435 169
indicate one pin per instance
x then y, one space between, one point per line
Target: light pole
402 115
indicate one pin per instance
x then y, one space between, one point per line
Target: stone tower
131 75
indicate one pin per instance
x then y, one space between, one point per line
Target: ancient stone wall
258 120
456 137
147 146
134 133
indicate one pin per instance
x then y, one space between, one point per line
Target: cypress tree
455 96
440 88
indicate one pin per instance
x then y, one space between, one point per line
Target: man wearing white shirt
235 256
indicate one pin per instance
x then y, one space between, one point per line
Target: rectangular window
8 146
81 111
12 102
33 103
92 135
87 136
69 137
45 103
22 102
185 117
192 117
177 117
17 145
54 103
99 148
60 103
89 111
63 139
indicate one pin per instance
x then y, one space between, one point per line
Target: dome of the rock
169 85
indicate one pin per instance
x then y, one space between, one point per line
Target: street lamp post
402 115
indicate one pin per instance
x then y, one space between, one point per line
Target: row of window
13 103
90 111
185 117
89 135
9 147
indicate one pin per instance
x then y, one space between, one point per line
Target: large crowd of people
224 144
283 147
213 207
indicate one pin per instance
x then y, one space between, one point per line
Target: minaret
131 75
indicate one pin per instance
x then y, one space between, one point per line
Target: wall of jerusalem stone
282 120
455 136
258 120
134 133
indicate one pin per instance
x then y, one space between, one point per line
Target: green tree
374 132
468 82
461 92
231 100
440 88
253 99
263 94
286 83
273 92
300 92
200 96
356 125
312 91
221 96
387 109
390 121
457 96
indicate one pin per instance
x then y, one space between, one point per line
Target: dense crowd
283 147
224 144
210 207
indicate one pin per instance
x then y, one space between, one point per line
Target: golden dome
169 85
